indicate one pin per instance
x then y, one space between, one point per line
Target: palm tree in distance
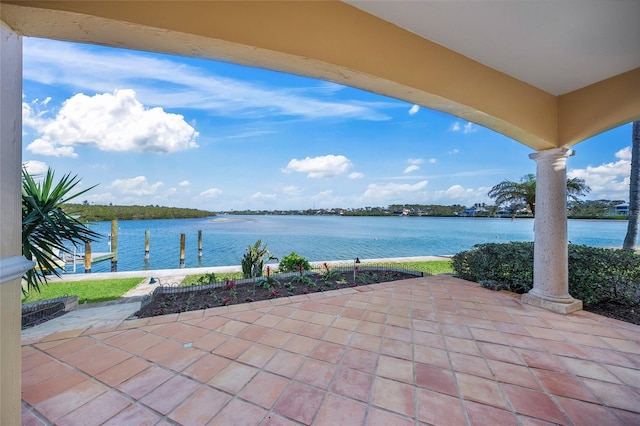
524 192
630 240
46 228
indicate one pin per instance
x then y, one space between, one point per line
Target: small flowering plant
330 275
302 278
268 283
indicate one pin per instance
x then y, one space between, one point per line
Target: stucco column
12 264
550 259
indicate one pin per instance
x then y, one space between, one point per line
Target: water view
323 238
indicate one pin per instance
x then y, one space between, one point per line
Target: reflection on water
324 237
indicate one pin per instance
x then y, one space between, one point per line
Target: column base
557 307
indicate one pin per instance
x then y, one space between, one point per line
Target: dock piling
200 243
114 245
87 258
147 239
182 238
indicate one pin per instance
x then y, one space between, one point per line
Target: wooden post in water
87 258
147 238
199 243
114 245
181 250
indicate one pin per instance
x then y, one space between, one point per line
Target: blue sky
173 131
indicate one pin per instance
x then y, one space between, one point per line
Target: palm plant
524 192
46 227
631 237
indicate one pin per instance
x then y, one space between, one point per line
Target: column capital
552 154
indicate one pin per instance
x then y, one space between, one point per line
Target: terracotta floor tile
210 341
629 376
329 352
618 396
343 323
428 339
480 389
145 382
170 394
314 331
300 344
585 413
264 389
232 348
213 322
322 319
181 359
299 402
233 377
439 409
161 350
534 404
465 346
352 313
42 372
252 332
64 403
275 338
268 321
471 365
340 411
257 355
30 419
289 325
51 387
285 363
397 349
366 342
232 328
395 368
564 385
273 419
139 345
376 417
627 417
103 362
393 396
436 379
359 359
316 373
337 335
430 356
36 359
542 360
200 407
480 415
514 374
353 384
238 412
123 371
206 367
172 329
591 370
97 410
499 353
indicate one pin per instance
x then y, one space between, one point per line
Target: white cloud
319 167
414 109
110 122
454 151
35 168
457 194
432 161
136 186
411 169
415 160
392 192
608 180
184 183
355 175
291 190
466 129
159 80
211 193
259 196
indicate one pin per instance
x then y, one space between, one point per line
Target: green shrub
292 263
595 274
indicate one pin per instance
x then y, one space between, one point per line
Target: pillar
12 264
551 259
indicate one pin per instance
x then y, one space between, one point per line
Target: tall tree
630 240
46 228
524 192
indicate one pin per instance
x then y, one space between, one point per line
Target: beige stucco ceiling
556 45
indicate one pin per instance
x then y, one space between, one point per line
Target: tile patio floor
432 350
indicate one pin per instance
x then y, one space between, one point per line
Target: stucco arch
337 42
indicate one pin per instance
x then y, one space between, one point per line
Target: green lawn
91 290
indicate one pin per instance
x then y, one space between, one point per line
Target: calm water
324 237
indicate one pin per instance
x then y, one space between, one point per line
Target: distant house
474 211
620 210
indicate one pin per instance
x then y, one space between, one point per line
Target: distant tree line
95 213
